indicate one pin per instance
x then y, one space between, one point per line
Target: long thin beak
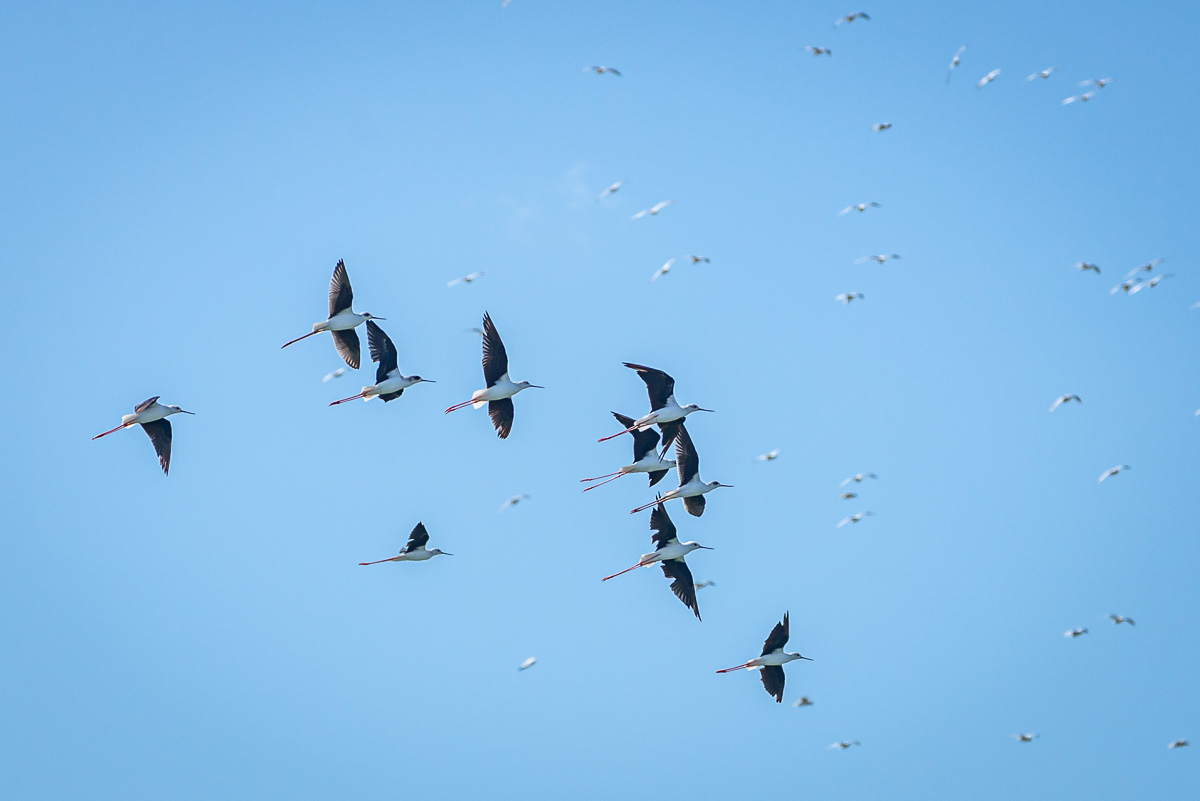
705 547
706 410
426 381
535 386
185 411
730 486
373 317
447 554
808 658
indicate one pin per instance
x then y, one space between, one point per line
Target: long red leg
347 400
739 667
377 561
597 478
602 483
297 339
113 431
458 406
614 436
623 572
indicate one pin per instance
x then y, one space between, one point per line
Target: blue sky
177 186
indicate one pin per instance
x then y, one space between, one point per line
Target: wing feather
341 296
160 435
348 346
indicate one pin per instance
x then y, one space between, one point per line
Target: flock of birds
653 435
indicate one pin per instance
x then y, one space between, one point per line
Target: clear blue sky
179 181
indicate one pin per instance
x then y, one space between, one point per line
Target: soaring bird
854 518
879 258
843 745
769 456
669 554
1099 83
691 487
527 664
513 501
1083 98
1084 266
1119 619
653 210
665 411
1042 74
857 478
1178 744
818 51
802 702
860 207
151 416
1061 399
390 383
342 318
881 126
1153 282
846 297
1112 471
1025 738
610 190
666 268
500 389
848 496
954 62
851 17
335 374
414 550
773 658
986 79
645 456
699 585
602 70
1126 286
697 259
1073 633
466 279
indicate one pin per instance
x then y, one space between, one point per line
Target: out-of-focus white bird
602 70
1125 286
844 744
1084 266
818 51
802 702
1083 98
466 279
1153 282
879 258
1043 74
1119 619
768 457
851 17
848 496
698 259
1061 399
986 79
653 210
854 518
1073 633
857 478
1025 738
338 373
666 268
1178 744
881 126
706 583
1144 268
954 62
610 190
1112 471
513 501
860 207
846 297
527 664
1099 83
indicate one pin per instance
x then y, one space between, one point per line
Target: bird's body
846 297
1025 738
881 126
843 745
500 389
697 259
513 501
771 662
1099 83
342 318
986 79
848 496
602 70
803 701
1083 98
669 554
1119 619
769 456
466 279
1178 744
414 550
860 207
527 664
879 258
850 18
1126 287
954 62
390 383
1043 74
854 518
646 458
691 487
1061 399
613 187
653 210
338 373
858 478
1084 266
1112 471
818 51
1075 633
665 411
151 416
661 271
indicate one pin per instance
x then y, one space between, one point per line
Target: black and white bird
691 487
851 17
773 658
661 271
1075 633
803 701
818 51
669 554
653 210
1027 737
1061 399
602 71
843 745
1084 266
1099 83
1119 619
698 259
665 411
390 383
1177 744
846 297
879 258
612 188
342 318
857 478
466 279
513 501
500 388
769 456
986 79
1112 471
881 126
152 417
414 550
854 518
1083 98
860 207
646 458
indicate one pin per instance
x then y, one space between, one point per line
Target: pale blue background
178 182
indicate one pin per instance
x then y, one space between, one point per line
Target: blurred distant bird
390 383
1119 619
527 664
152 417
1061 399
848 496
666 268
857 478
415 550
854 518
986 79
1043 74
846 297
1125 286
1144 268
844 744
513 501
602 70
692 488
1084 266
1099 83
1073 633
466 279
1153 282
1112 471
665 411
1025 738
335 374
769 456
773 658
669 553
500 389
1083 98
1178 744
954 62
881 126
851 17
803 702
698 259
653 210
879 258
860 207
702 584
645 455
818 51
610 190
342 319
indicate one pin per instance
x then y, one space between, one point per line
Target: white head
369 316
527 385
712 485
798 656
177 410
692 546
416 379
438 552
691 407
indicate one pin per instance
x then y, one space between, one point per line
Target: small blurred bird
986 79
1144 268
1178 744
602 70
702 584
653 210
1043 74
1083 98
466 279
854 518
846 297
610 190
1125 286
1073 633
1119 619
1084 266
818 51
1099 83
666 268
844 744
768 457
698 259
881 126
857 478
860 207
527 664
513 501
954 62
1112 471
803 702
878 258
848 496
1025 738
1061 399
338 373
851 17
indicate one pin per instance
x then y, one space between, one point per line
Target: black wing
341 296
495 357
146 404
659 385
501 412
669 432
160 434
347 346
657 476
643 441
417 539
383 350
777 639
773 679
683 586
694 505
687 461
661 525
391 396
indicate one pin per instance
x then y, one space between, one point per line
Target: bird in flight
390 383
691 487
802 702
653 210
1125 286
1025 738
665 411
1119 619
881 126
1178 744
770 663
666 268
500 389
1083 98
414 550
1099 83
878 258
466 279
857 478
702 584
1112 471
513 501
1073 633
527 664
610 190
954 62
854 518
1043 74
848 496
986 79
844 744
342 319
846 297
859 207
1153 282
851 17
1061 399
698 259
602 70
645 455
152 417
1084 266
769 456
335 374
1144 268
818 51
